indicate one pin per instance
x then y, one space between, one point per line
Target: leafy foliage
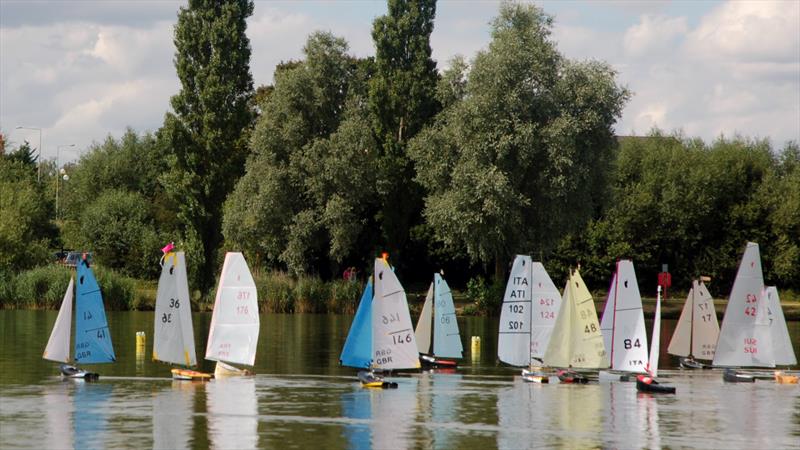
206 135
26 232
522 157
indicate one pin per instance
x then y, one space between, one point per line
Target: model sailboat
530 308
381 336
173 332
233 336
648 383
92 338
745 339
622 325
697 331
576 341
437 330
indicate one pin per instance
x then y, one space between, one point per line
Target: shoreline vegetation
278 292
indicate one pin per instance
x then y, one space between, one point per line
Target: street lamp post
60 172
39 162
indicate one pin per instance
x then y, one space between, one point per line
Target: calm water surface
301 398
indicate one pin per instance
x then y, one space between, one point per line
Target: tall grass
44 287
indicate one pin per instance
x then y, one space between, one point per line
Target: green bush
344 296
487 297
311 295
44 287
275 292
40 287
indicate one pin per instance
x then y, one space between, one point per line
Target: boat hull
73 372
534 377
732 376
369 379
571 377
226 370
650 385
782 378
190 375
432 362
692 364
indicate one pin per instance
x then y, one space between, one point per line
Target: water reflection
648 412
232 412
58 409
381 418
173 410
90 414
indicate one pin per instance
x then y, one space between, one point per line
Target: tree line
342 158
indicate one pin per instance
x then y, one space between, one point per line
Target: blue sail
92 339
446 339
357 351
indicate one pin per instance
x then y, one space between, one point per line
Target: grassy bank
278 292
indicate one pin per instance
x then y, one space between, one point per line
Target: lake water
301 398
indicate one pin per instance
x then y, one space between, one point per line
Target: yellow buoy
476 348
141 340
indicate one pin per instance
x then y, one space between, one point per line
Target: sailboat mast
691 326
614 314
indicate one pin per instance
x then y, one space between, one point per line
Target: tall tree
402 100
520 159
275 209
206 135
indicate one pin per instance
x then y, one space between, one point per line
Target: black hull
653 386
571 377
432 362
732 376
692 364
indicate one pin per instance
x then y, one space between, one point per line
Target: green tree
272 212
121 232
402 100
26 231
521 159
206 135
25 155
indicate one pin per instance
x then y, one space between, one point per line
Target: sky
80 71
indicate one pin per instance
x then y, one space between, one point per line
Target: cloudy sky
81 70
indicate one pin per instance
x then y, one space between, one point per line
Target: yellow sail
576 340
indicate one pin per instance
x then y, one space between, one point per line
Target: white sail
738 343
423 330
628 350
234 324
652 364
781 342
697 330
514 337
607 320
576 340
173 336
58 345
446 338
393 343
546 304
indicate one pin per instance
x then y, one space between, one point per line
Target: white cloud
748 31
654 36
